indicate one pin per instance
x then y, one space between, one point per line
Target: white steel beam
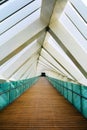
24 68
29 71
47 9
47 64
54 62
19 39
19 60
65 61
71 47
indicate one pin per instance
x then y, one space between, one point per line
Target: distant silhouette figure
43 74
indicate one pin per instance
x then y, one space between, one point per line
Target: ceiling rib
68 53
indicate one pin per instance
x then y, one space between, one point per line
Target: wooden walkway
41 108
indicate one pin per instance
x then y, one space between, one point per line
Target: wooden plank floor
41 108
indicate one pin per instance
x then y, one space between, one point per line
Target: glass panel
84 91
73 30
81 7
76 88
65 93
19 16
77 101
84 107
15 90
70 96
68 92
4 100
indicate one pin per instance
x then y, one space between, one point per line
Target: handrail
13 88
71 90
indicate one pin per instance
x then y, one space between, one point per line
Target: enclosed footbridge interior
43 38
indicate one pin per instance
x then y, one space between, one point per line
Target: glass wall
76 94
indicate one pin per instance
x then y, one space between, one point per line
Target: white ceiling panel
43 36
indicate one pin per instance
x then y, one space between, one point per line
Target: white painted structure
43 36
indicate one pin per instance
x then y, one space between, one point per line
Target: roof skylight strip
15 23
12 8
80 8
3 1
75 18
